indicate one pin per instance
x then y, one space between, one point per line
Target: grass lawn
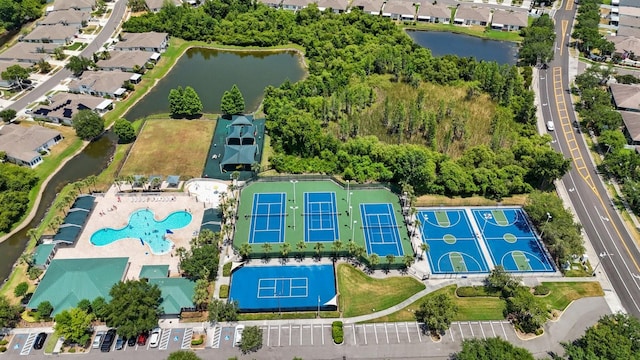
563 293
166 147
359 293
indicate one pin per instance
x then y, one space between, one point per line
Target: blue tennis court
381 234
511 240
453 247
320 217
284 288
268 216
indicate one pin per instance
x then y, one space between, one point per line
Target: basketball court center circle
510 238
449 239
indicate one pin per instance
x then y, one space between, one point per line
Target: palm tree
117 182
351 248
33 234
91 180
78 185
336 246
390 259
318 247
374 260
245 250
256 167
156 182
285 249
130 180
266 248
424 247
61 206
201 294
235 175
143 181
416 226
54 223
407 260
26 258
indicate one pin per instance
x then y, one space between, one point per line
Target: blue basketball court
453 247
284 288
511 240
320 217
381 231
268 216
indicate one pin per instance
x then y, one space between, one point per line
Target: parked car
237 339
142 338
120 342
154 339
97 340
108 340
39 342
132 341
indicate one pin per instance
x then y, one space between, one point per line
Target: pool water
146 230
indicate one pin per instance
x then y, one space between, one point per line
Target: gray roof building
86 5
430 12
510 19
625 44
469 15
338 6
3 67
58 34
64 105
125 60
626 97
631 122
156 5
295 5
399 10
69 17
373 7
28 52
630 3
147 41
628 31
100 83
23 144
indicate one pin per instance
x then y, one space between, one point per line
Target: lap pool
145 229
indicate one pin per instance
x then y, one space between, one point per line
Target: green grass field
294 235
360 293
563 293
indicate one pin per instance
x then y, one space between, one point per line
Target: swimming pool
144 228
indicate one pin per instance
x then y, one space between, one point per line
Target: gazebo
240 149
173 181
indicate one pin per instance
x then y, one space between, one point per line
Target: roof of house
68 281
333 4
84 202
473 13
21 142
631 121
101 81
64 105
626 96
300 3
628 31
173 179
399 7
211 219
177 293
76 218
269 2
67 234
368 5
28 51
239 154
158 4
69 16
125 59
241 120
625 44
513 18
633 3
6 64
141 40
73 4
42 253
434 11
52 32
154 271
629 11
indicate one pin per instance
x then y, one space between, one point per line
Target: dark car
109 337
132 341
39 341
142 338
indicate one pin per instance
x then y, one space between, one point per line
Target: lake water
212 72
447 43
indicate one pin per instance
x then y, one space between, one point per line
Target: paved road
602 224
116 16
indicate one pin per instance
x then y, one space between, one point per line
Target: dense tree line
585 29
538 44
14 13
15 184
184 102
346 54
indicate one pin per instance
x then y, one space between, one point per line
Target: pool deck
116 215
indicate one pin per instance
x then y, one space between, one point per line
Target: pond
448 43
212 72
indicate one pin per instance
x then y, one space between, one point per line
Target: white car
550 126
238 335
154 339
97 340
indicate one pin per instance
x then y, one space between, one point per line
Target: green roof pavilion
67 281
42 253
154 271
177 294
84 202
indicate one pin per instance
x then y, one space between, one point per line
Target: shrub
4 342
72 350
21 289
3 349
224 291
541 290
198 341
337 332
539 331
474 291
226 269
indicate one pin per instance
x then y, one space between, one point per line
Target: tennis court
511 241
453 247
381 235
268 218
284 288
320 217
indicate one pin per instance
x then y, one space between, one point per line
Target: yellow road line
565 24
569 5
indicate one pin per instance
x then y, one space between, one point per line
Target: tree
15 73
437 313
134 307
88 124
407 260
183 354
21 289
200 262
491 349
245 250
78 64
527 311
285 249
232 102
251 339
175 102
374 260
500 280
266 249
220 310
390 259
100 307
201 294
74 325
318 247
613 337
191 102
44 310
7 115
125 131
9 314
85 305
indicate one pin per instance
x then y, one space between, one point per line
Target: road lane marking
569 5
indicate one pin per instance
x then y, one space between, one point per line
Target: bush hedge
337 332
226 269
475 291
541 290
4 342
224 291
3 349
198 341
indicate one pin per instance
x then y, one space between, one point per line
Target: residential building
631 121
627 47
336 6
28 52
70 17
147 41
43 254
630 3
155 5
55 34
626 97
63 106
629 21
127 60
23 145
276 4
469 15
101 83
294 5
438 13
509 20
7 84
373 7
82 5
399 10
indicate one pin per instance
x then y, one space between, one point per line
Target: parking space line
471 328
364 331
300 335
268 335
406 325
353 329
461 334
311 334
492 329
217 334
386 332
505 333
397 332
28 344
481 329
322 332
419 330
186 339
279 335
375 331
164 339
290 335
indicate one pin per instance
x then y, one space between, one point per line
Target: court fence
297 255
318 177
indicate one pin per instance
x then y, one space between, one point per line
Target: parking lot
22 344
